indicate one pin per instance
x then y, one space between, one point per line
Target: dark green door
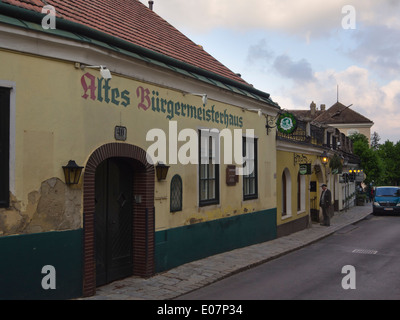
113 221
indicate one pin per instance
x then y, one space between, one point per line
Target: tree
371 163
390 155
375 138
359 137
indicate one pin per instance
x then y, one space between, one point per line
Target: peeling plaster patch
194 221
9 221
52 182
54 207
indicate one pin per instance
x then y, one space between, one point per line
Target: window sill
285 217
250 197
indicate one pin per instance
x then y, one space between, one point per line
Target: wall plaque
231 177
120 133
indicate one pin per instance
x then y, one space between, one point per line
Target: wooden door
113 221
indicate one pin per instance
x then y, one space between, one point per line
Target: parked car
386 200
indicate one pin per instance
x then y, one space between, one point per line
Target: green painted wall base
22 258
181 245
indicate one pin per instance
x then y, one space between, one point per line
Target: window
176 194
208 168
301 193
328 139
250 185
334 143
4 147
286 194
298 192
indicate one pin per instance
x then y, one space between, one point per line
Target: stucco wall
60 115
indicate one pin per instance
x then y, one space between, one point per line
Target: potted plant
360 199
336 164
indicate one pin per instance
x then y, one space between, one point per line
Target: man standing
325 203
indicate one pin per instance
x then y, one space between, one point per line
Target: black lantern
72 172
324 158
161 171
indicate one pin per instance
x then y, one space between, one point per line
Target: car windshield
388 192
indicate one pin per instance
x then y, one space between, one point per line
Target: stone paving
197 274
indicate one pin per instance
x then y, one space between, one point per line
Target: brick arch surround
143 213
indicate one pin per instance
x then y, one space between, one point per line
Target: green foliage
390 155
336 163
375 138
381 162
359 137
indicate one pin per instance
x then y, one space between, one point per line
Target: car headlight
376 204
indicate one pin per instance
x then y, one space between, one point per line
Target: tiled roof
336 114
307 113
341 114
132 21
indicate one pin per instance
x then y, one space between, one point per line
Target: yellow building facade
305 162
298 190
120 219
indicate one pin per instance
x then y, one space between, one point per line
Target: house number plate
120 133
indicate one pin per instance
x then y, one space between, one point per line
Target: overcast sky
299 51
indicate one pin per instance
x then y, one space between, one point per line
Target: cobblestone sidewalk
197 274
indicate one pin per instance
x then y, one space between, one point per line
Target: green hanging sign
286 123
305 169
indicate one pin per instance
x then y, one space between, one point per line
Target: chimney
313 108
323 107
151 3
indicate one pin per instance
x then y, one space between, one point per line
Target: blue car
386 200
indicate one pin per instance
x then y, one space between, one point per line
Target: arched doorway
113 220
117 181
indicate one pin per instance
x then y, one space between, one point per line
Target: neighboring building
341 117
119 219
301 171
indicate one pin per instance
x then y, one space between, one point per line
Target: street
358 262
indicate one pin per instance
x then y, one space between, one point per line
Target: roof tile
132 21
339 113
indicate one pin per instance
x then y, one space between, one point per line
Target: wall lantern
161 171
324 158
72 172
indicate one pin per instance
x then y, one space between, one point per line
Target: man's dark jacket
327 200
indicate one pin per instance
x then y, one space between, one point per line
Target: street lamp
324 158
72 172
161 171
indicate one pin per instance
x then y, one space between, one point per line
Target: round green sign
286 123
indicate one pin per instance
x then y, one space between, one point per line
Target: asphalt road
371 246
